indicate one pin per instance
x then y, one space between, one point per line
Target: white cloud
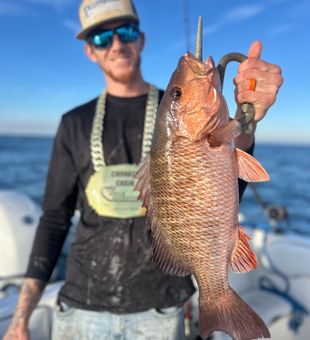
72 25
57 4
49 2
242 13
210 29
235 15
24 8
9 8
300 9
282 29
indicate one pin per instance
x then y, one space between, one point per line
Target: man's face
120 61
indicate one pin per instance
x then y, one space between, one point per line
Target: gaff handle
247 109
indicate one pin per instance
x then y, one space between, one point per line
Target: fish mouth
199 68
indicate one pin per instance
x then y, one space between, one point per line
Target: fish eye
176 93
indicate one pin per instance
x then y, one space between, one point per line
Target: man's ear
88 50
142 41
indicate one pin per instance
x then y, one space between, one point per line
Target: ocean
24 165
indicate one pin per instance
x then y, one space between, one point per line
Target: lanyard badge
110 190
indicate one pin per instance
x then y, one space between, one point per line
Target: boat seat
268 306
293 258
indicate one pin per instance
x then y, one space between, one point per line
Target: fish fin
143 174
243 259
249 169
162 255
165 260
225 134
230 314
143 185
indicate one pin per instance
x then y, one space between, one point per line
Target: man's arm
29 297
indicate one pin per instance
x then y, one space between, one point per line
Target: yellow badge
110 192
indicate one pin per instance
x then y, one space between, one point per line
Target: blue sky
44 73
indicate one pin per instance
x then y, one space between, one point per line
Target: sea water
24 165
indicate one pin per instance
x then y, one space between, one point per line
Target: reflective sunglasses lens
103 39
127 34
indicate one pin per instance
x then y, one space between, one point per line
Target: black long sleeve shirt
110 263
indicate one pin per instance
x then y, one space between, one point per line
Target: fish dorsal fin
162 255
249 169
243 259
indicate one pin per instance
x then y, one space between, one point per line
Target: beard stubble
126 77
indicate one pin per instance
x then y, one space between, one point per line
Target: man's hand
268 81
16 332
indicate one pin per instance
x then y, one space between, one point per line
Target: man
112 289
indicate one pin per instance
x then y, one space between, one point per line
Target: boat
19 217
278 290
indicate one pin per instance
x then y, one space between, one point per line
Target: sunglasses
126 33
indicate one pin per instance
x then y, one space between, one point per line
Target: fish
188 185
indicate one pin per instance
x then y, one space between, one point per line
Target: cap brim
83 34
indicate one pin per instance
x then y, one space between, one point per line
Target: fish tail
233 316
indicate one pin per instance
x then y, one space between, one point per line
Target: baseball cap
94 13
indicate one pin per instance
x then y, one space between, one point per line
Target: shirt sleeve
241 183
58 207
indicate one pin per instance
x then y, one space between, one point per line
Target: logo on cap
97 7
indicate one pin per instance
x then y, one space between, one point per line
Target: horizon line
258 140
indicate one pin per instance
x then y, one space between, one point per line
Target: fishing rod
274 212
186 25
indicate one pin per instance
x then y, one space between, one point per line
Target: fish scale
189 187
204 215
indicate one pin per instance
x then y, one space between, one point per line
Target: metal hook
247 109
198 51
